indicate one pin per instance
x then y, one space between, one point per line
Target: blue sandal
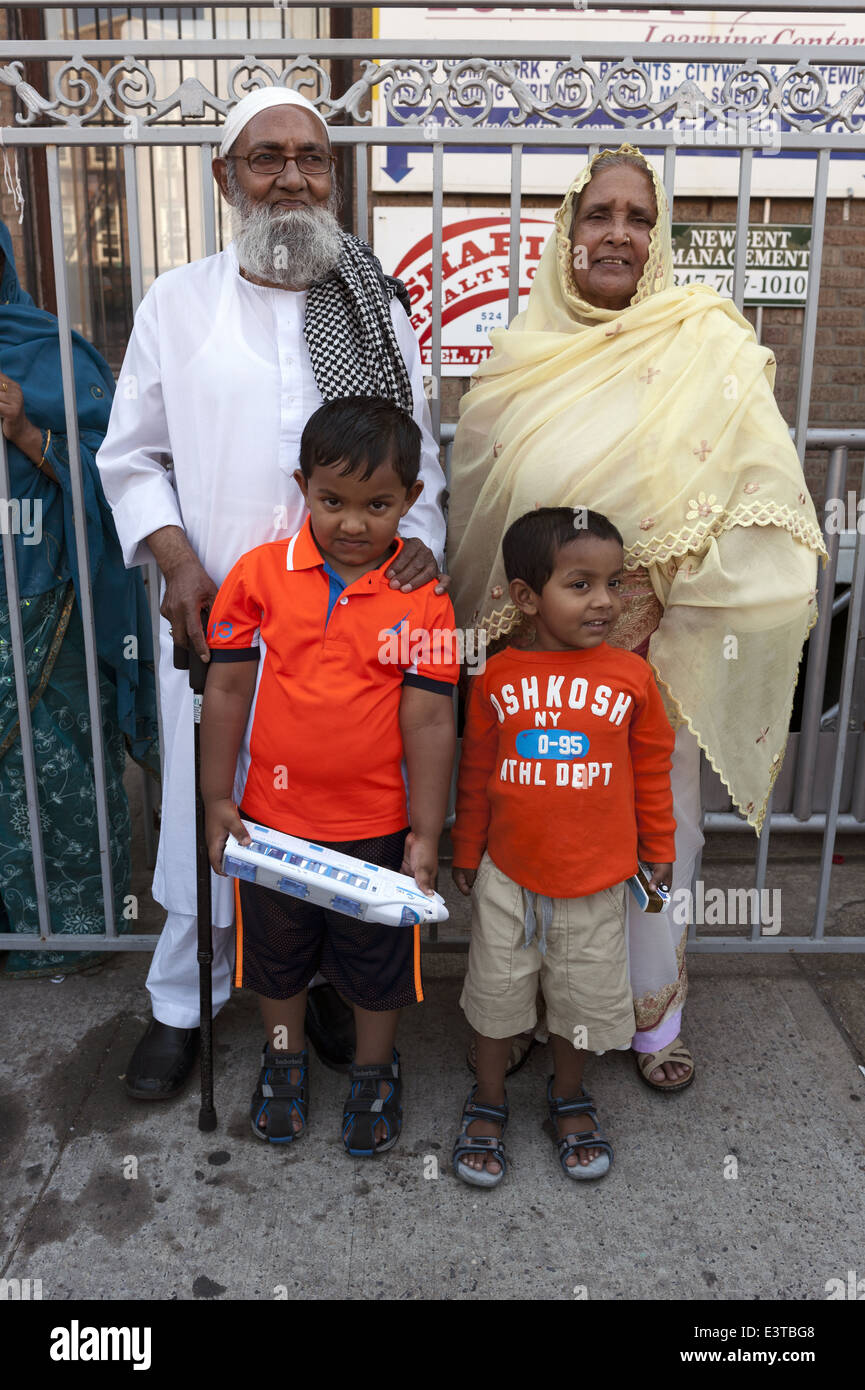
581 1104
364 1108
279 1098
488 1145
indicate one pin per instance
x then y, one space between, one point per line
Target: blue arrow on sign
396 163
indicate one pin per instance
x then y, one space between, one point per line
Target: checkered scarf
349 330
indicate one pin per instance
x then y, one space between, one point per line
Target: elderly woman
652 403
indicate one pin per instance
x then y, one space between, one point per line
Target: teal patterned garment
47 573
30 356
67 806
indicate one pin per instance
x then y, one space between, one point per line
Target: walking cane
187 659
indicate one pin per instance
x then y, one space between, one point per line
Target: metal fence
104 93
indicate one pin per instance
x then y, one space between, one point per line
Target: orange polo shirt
322 755
565 770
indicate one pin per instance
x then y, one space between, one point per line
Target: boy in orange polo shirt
310 740
564 781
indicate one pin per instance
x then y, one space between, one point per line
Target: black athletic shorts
282 941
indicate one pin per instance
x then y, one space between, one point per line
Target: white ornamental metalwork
452 93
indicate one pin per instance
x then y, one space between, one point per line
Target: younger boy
564 782
333 714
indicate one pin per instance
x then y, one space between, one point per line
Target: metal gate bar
84 595
818 651
809 328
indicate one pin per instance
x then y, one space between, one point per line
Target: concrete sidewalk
778 1098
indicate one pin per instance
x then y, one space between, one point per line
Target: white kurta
217 382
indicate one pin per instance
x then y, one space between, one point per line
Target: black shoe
330 1027
161 1062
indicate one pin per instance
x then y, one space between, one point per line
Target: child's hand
221 820
661 873
421 861
464 879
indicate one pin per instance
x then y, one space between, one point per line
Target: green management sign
777 263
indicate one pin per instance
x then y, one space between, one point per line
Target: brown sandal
676 1051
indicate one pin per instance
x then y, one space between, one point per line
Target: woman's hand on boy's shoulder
464 879
415 565
222 820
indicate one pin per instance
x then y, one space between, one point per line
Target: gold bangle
45 448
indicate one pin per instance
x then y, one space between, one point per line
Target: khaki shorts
584 974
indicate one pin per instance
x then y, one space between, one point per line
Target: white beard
292 247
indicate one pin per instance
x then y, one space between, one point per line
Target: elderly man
228 358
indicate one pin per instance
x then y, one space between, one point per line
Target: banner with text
707 162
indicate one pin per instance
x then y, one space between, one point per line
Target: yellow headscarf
660 415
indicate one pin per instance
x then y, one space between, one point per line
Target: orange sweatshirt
565 770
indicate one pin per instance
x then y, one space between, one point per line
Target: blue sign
555 743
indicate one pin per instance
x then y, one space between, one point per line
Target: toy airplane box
330 879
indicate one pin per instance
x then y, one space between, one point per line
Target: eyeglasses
271 162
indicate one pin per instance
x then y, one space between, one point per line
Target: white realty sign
707 162
476 248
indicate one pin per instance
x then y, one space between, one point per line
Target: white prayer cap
257 101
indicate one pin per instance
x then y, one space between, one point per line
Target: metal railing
137 116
